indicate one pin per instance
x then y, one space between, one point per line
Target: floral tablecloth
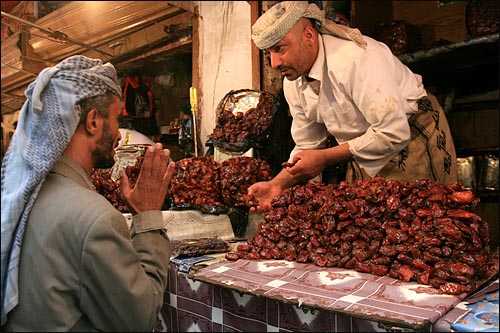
377 298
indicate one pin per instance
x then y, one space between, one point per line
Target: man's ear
309 34
92 122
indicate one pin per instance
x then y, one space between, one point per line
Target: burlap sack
430 153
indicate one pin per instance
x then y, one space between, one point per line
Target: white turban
278 20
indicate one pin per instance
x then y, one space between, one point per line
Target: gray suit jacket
81 268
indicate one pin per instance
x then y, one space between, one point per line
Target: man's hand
152 184
264 193
306 164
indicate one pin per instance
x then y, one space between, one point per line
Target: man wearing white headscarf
69 261
338 82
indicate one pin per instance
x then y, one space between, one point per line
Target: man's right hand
152 184
264 192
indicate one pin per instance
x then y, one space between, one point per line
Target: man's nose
275 60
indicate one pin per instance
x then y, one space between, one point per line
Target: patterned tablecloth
382 299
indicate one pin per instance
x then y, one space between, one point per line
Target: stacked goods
238 174
413 231
203 183
481 17
105 184
400 36
196 183
199 246
243 118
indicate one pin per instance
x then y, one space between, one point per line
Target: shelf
488 196
458 64
470 45
466 152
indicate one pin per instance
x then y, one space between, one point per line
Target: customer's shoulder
73 196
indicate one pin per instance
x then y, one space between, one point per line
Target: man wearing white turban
69 261
340 83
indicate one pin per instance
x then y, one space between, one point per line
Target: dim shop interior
465 79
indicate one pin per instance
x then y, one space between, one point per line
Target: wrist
283 180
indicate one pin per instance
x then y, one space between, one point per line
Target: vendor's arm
265 192
308 164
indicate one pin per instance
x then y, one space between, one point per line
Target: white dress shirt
365 99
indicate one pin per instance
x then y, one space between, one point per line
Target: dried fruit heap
414 231
238 174
196 182
204 182
248 126
110 189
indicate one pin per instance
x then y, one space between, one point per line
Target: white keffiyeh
46 123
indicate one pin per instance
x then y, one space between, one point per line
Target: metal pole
193 98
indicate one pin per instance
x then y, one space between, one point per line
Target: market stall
206 215
275 295
373 255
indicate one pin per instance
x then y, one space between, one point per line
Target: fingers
124 183
156 161
250 191
260 209
160 159
170 172
292 167
255 209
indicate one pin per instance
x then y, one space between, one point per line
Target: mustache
284 68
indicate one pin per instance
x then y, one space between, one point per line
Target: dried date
414 231
231 256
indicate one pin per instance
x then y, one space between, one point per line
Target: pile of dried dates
243 118
196 183
205 184
412 231
199 183
237 175
108 187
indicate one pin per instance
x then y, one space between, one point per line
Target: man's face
295 53
110 137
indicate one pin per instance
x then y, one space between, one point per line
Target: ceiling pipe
19 69
55 34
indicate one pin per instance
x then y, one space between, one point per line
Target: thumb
251 190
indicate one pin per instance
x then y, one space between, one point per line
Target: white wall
224 58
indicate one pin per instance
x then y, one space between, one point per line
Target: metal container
467 172
489 176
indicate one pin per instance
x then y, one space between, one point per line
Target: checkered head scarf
47 121
278 20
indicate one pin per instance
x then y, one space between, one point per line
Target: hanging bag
138 98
